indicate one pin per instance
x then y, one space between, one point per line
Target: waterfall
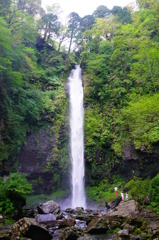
77 138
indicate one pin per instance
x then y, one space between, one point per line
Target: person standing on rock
127 197
116 190
107 207
122 196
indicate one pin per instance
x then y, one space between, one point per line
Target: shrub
154 193
13 193
139 188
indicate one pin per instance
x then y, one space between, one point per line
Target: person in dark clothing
107 206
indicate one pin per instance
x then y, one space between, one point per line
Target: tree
123 14
139 189
101 12
149 4
16 12
62 36
32 7
73 27
141 118
144 70
87 22
5 56
105 27
154 190
49 24
13 192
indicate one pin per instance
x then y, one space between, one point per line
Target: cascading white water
76 138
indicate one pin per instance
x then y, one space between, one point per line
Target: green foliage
119 55
139 189
123 14
93 127
120 70
13 192
17 184
21 109
32 76
87 22
142 117
101 12
137 231
33 200
154 193
49 23
5 57
104 191
73 27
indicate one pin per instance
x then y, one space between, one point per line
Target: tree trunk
70 42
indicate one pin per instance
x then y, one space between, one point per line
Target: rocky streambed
121 220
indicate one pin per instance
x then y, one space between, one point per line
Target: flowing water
77 138
104 237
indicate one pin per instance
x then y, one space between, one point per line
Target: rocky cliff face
141 163
34 157
39 162
45 170
37 152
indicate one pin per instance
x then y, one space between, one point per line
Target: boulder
128 208
67 222
79 209
80 223
154 226
61 223
85 237
42 218
113 221
70 210
29 212
49 207
124 234
97 225
29 228
113 204
129 227
86 218
72 233
148 214
5 232
147 200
